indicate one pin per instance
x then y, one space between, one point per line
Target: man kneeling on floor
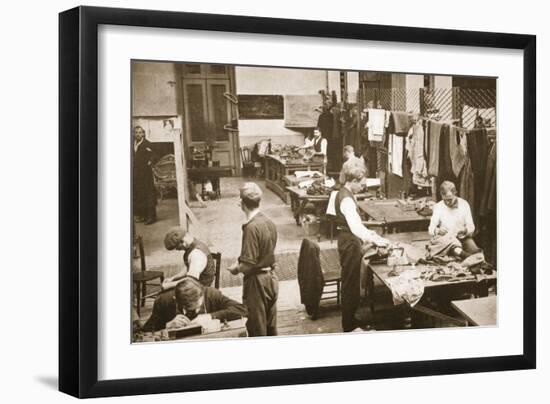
257 263
197 258
192 303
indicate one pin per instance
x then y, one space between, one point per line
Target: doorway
208 111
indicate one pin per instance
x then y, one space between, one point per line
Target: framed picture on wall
232 197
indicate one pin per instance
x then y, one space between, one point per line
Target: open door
208 111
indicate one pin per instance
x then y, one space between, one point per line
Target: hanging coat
310 276
415 150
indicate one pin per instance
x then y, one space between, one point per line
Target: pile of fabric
406 286
289 152
318 187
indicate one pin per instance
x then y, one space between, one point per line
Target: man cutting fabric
452 220
197 258
257 263
353 235
191 303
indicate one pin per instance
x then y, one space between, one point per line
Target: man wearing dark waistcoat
197 258
257 263
352 235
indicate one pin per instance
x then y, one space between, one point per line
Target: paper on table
372 182
300 174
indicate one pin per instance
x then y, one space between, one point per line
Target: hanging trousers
349 250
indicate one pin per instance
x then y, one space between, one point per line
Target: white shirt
453 219
136 145
348 208
197 263
308 142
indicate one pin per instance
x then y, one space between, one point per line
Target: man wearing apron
352 235
257 263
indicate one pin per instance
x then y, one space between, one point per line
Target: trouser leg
349 250
469 245
272 306
260 297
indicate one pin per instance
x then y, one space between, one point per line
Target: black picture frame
78 196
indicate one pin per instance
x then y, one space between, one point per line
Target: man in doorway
191 303
350 161
144 193
257 264
197 258
353 237
452 218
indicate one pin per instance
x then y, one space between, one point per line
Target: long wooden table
478 312
212 174
276 168
440 291
392 217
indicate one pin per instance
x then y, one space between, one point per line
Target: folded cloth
407 287
441 246
375 124
401 121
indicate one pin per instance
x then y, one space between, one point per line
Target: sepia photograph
281 201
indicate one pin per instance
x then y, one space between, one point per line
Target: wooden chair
249 167
218 259
142 278
332 277
164 175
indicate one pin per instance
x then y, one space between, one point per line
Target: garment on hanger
478 150
434 135
387 116
458 148
488 201
415 149
401 121
325 124
395 154
445 165
376 124
466 182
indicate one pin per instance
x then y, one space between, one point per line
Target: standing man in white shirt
352 235
452 217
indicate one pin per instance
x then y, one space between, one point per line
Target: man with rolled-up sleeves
257 263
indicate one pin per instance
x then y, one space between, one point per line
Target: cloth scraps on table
407 287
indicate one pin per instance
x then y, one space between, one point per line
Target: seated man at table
452 220
350 161
192 303
197 258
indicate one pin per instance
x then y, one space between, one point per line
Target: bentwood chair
141 279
